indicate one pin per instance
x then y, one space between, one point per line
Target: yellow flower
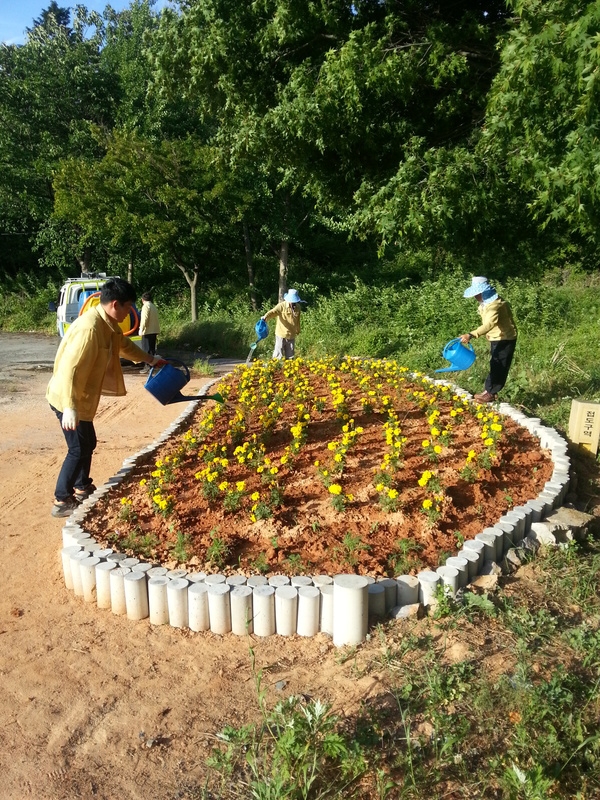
437 449
380 487
392 494
255 496
495 427
240 486
335 488
349 497
425 443
223 485
143 482
427 503
488 442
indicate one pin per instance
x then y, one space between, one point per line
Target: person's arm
76 364
272 313
489 321
132 352
143 319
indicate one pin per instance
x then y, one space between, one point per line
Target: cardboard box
584 425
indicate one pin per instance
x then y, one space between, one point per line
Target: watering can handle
468 345
175 361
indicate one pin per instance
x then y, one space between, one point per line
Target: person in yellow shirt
149 327
288 324
87 365
499 328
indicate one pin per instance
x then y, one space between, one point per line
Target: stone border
303 605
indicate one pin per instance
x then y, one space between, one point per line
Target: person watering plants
498 326
87 365
288 324
149 327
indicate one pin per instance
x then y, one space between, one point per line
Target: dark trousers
75 471
149 343
501 356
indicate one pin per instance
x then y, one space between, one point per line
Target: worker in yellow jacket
499 328
288 324
87 365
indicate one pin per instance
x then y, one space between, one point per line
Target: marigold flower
335 488
427 503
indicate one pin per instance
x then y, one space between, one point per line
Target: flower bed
324 467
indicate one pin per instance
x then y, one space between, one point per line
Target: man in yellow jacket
498 326
149 327
87 365
288 324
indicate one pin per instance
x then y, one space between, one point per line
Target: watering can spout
461 357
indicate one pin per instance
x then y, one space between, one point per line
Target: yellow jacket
288 323
149 319
87 364
497 322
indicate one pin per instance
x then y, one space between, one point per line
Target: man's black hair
117 289
147 296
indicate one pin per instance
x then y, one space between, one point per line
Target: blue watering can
166 383
262 331
460 356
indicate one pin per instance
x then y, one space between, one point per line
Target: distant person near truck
287 328
499 328
87 365
149 326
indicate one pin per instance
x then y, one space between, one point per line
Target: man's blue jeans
75 471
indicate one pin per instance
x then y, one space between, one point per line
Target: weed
347 552
261 564
217 551
403 559
202 367
180 548
294 563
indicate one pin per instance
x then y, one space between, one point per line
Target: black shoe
83 494
64 508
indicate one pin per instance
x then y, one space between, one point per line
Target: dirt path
81 690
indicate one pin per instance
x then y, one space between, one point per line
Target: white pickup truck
77 295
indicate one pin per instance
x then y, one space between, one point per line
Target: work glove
157 361
69 419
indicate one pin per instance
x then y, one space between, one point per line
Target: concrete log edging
339 606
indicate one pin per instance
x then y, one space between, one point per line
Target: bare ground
83 692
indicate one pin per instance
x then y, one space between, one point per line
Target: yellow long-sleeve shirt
288 322
149 322
87 364
497 322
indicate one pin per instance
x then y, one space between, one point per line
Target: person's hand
69 419
465 338
263 319
158 361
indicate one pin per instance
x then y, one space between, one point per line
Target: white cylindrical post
129 562
350 609
214 579
118 558
326 612
177 594
136 595
428 583
489 542
462 566
257 580
508 528
301 580
309 602
143 566
219 607
157 572
472 558
199 619
65 555
322 580
241 610
408 590
158 604
477 547
498 535
286 610
74 561
176 574
279 580
196 577
103 570
449 576
87 571
537 510
236 580
518 518
263 604
391 593
376 594
117 590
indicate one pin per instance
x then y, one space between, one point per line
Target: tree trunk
283 267
130 269
192 282
84 263
250 266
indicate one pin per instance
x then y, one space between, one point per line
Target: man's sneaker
485 397
64 508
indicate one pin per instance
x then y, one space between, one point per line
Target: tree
544 113
165 197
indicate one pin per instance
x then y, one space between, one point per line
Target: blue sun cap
292 296
479 285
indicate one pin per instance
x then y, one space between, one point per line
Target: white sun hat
292 296
479 285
